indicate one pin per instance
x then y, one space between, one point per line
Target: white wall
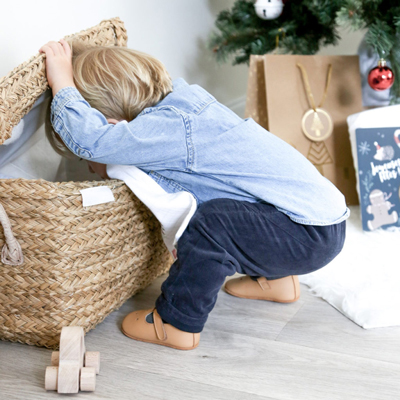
348 44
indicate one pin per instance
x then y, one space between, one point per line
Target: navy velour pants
226 236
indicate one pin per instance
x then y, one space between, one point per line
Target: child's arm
156 139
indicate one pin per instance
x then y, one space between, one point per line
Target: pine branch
380 38
350 15
233 42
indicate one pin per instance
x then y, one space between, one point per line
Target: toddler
263 209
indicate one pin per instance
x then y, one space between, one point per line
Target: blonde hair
117 81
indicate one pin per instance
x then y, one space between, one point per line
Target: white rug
363 281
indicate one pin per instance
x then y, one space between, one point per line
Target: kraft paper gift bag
283 88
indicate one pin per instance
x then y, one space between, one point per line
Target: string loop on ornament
277 37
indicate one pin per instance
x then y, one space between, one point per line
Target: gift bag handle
11 253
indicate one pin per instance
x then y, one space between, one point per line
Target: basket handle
11 253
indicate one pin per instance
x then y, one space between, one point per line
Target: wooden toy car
73 367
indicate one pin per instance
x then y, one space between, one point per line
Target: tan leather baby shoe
136 326
284 290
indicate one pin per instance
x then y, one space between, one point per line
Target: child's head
117 81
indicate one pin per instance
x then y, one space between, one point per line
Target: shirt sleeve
156 139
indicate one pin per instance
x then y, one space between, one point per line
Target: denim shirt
189 141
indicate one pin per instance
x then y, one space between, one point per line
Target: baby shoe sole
158 342
260 298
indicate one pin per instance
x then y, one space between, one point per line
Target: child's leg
227 236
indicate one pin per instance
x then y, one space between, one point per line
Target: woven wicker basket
79 264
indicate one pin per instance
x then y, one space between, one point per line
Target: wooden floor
249 349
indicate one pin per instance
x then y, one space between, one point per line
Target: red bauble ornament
381 77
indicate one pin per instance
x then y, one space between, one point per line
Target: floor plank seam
205 384
340 353
284 326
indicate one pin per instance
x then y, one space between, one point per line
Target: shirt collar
179 83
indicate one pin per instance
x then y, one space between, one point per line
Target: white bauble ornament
269 9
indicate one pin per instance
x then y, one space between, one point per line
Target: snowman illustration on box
379 208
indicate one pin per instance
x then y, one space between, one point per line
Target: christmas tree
305 26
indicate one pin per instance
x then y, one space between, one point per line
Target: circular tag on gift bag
317 125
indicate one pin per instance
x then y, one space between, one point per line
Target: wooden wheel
88 379
92 359
55 358
51 377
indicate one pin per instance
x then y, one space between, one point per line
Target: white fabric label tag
96 195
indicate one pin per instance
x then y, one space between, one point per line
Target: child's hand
58 65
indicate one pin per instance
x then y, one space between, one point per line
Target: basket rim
22 86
